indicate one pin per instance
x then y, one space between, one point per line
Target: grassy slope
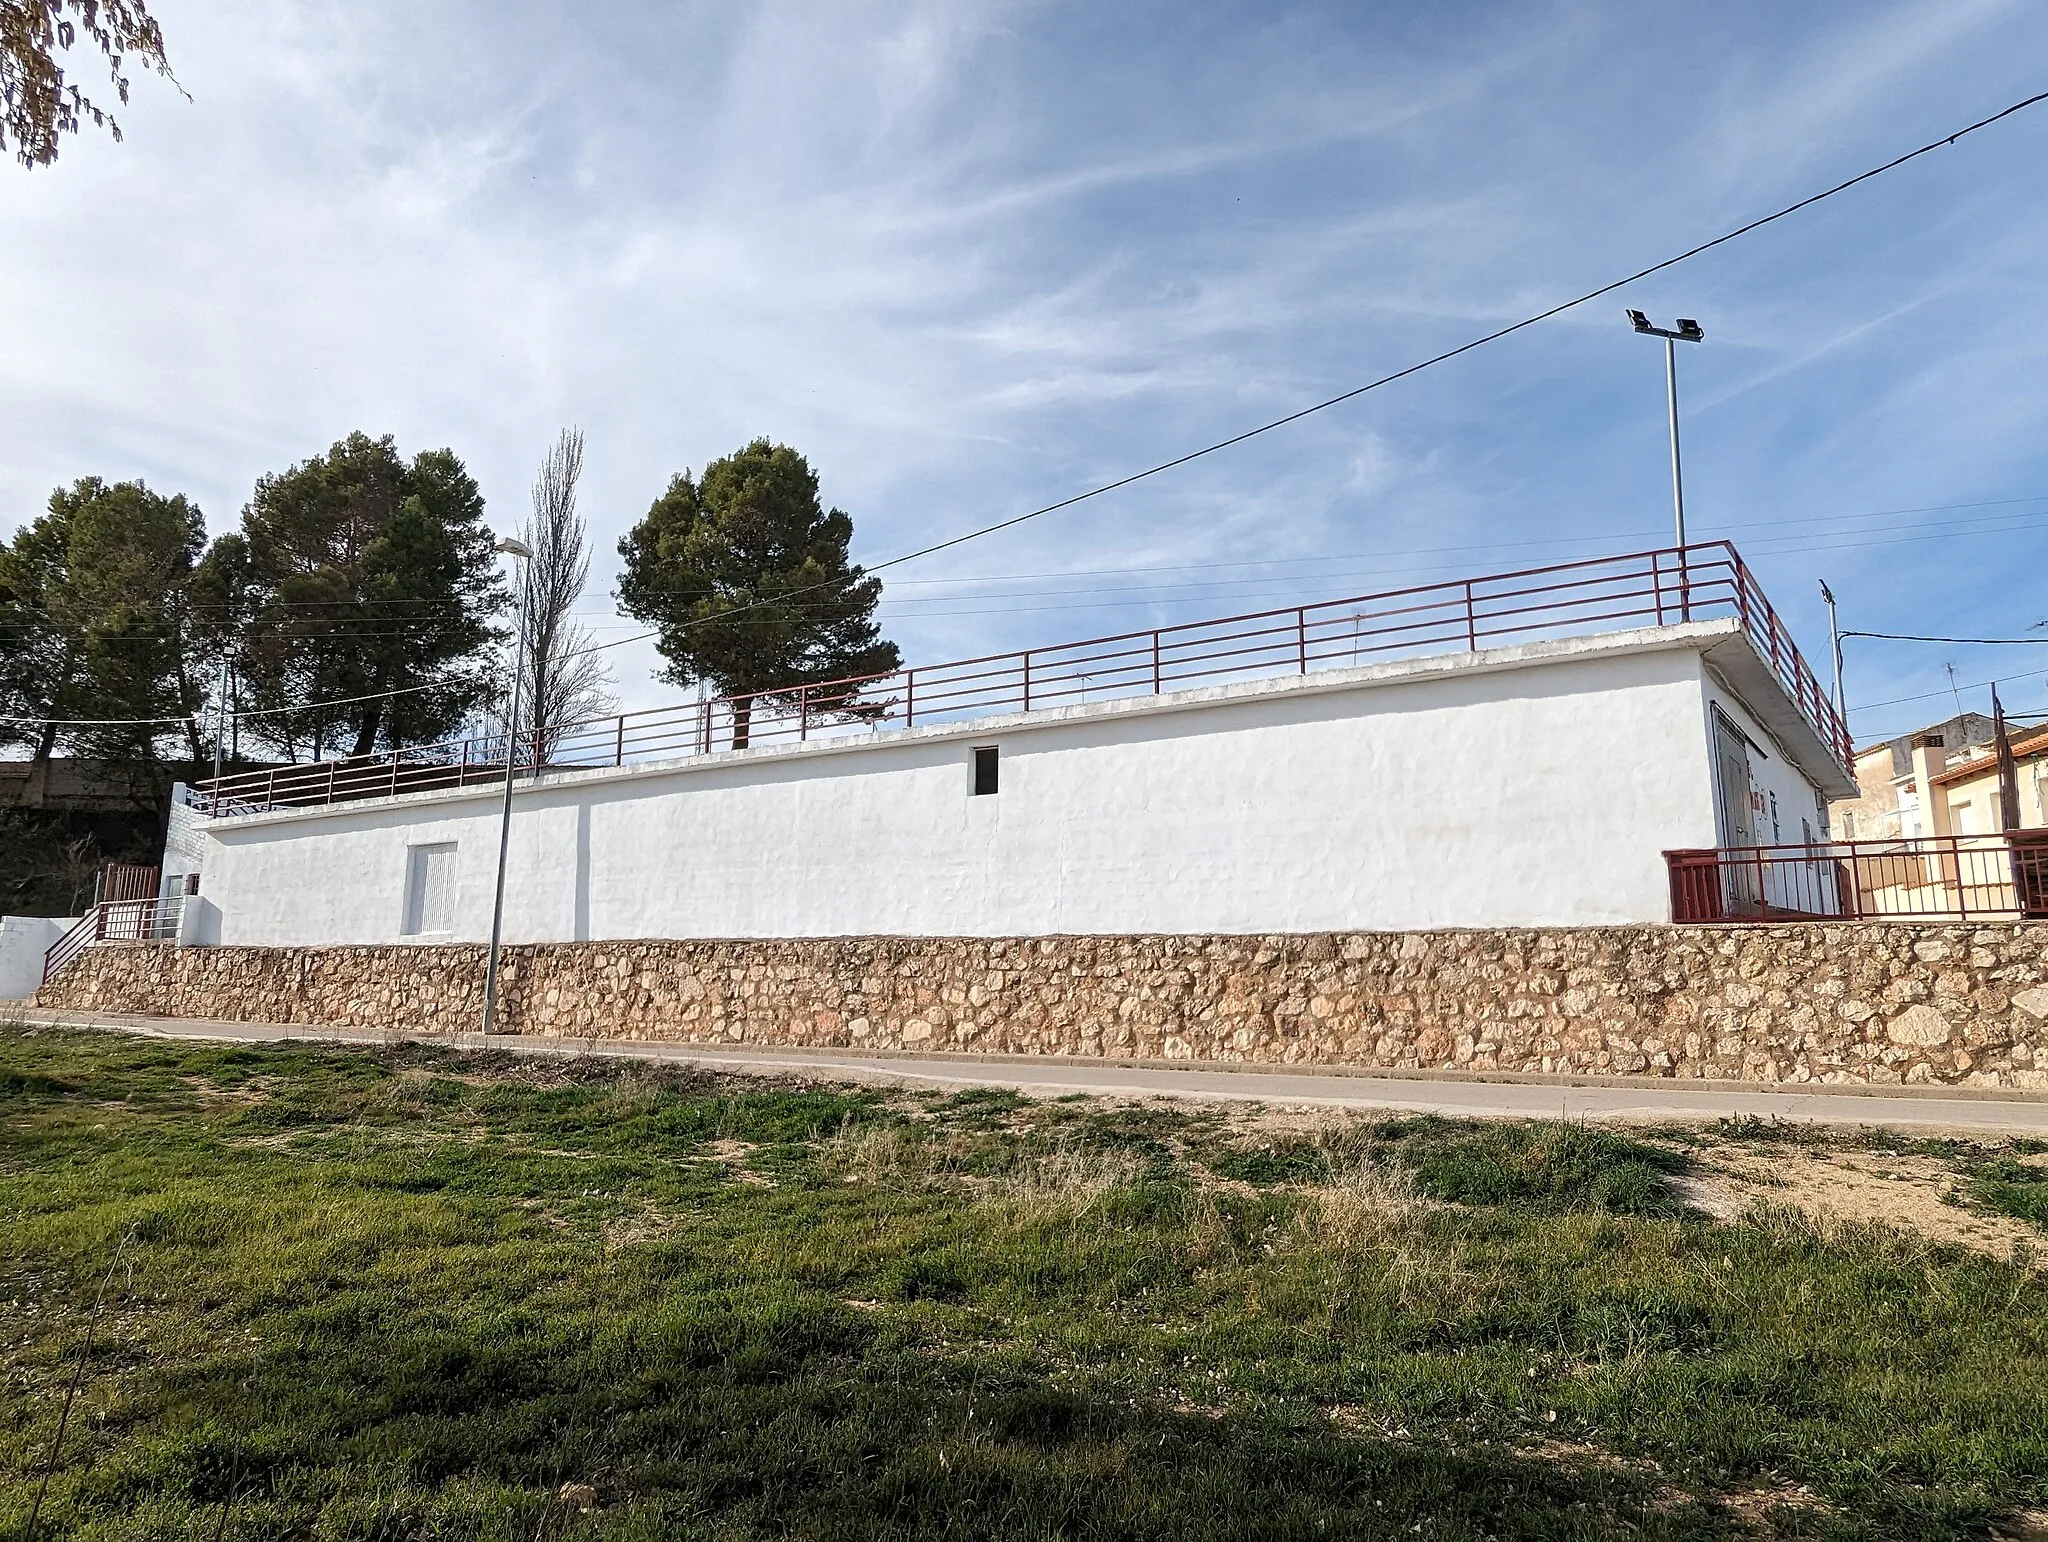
410 1295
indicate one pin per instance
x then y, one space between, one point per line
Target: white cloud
974 258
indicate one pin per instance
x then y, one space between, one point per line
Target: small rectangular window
985 771
429 889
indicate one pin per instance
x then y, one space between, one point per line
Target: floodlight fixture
1687 330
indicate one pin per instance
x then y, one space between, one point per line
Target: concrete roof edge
1694 636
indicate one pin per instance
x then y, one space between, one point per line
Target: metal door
1740 894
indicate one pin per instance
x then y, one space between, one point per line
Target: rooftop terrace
1575 599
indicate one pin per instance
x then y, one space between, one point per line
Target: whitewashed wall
23 942
1527 786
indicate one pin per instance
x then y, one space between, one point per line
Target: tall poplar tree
744 573
356 580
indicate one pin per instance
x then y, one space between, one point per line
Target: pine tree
93 620
357 579
745 575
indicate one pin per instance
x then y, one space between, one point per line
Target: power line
593 620
1292 417
1872 706
1555 540
238 712
1400 374
2025 642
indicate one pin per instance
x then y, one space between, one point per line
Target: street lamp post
523 552
1687 331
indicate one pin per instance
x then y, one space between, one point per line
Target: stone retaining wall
1962 1005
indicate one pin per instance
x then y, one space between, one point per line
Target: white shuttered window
429 889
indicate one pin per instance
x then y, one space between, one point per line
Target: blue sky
974 258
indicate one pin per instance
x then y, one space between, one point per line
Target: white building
1512 751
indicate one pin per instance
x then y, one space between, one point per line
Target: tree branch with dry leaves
38 106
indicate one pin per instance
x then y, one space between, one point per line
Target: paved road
1504 1098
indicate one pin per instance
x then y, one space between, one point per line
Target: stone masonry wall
1960 1005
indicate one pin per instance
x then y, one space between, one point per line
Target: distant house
1888 798
1511 750
1942 780
1963 798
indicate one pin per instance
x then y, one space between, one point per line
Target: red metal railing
1653 588
127 920
1933 877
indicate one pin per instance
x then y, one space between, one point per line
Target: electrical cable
2026 642
1384 380
239 712
594 620
1281 422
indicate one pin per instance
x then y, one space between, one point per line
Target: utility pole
523 552
1835 632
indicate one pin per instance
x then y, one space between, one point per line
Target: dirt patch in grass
1765 1510
1919 1195
732 1155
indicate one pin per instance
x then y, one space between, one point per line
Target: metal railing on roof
1605 594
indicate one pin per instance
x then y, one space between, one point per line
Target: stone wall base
1870 1002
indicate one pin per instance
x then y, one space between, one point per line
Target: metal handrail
1996 876
124 920
1650 588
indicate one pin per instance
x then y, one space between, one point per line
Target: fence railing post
1471 621
1301 636
1657 584
909 698
1157 687
619 743
803 712
1027 679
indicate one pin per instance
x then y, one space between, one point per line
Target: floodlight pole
1677 474
1687 331
517 549
220 721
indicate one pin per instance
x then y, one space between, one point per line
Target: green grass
411 1294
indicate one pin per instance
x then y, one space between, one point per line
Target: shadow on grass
771 1431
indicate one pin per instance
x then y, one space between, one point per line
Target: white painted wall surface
23 942
1532 786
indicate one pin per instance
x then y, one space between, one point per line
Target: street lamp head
1640 321
512 547
1689 330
